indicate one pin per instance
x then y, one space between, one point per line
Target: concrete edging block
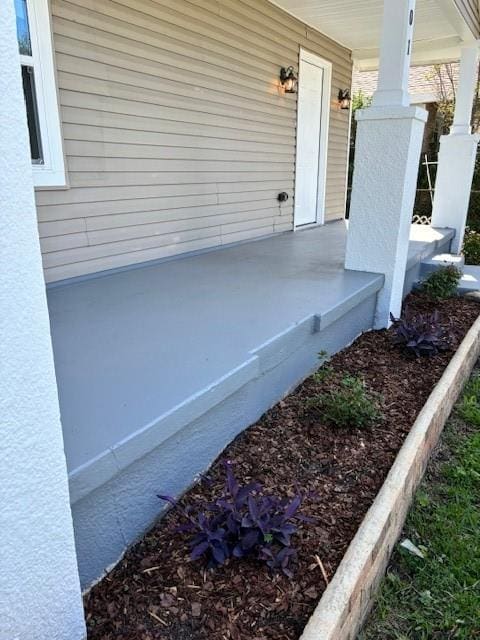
348 597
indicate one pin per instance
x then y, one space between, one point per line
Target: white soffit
439 27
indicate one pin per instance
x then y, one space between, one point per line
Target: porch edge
91 475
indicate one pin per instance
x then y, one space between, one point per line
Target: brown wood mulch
157 593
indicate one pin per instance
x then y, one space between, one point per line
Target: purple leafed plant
422 334
242 522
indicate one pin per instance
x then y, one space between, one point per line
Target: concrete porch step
470 280
440 260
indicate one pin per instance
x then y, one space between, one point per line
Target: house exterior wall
470 11
177 136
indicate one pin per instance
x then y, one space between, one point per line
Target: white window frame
51 172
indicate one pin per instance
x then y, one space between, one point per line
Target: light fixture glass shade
344 99
289 80
290 85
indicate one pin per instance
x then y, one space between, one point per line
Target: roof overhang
440 29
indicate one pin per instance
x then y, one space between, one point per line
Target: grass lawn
438 597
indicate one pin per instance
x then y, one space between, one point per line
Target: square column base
387 153
456 165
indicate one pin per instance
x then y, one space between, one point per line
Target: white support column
456 159
395 50
465 91
40 592
387 153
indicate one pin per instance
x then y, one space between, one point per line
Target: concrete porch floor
132 346
159 367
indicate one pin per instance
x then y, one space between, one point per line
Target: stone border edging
349 596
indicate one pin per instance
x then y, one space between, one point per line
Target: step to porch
440 260
425 244
470 280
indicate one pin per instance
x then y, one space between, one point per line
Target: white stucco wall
456 165
387 152
39 589
384 183
457 156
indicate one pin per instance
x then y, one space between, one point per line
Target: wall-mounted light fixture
288 79
344 99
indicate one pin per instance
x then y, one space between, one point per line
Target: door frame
306 56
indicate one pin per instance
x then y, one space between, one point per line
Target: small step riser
470 280
437 262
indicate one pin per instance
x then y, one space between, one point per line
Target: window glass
32 114
37 67
23 30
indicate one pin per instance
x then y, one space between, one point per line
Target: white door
312 128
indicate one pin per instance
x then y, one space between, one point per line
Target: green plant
323 373
361 100
471 246
421 335
437 597
325 370
348 405
442 283
242 521
469 407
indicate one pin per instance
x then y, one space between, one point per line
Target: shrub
471 246
323 373
442 283
348 405
421 335
241 522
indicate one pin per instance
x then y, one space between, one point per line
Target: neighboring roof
427 83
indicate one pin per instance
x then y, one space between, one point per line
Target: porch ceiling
440 29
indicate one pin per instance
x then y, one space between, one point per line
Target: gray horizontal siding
176 135
470 11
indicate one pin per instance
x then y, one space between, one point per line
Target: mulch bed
157 593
